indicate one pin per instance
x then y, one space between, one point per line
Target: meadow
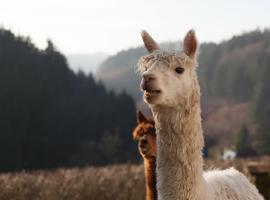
121 182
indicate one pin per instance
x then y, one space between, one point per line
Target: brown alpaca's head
145 133
169 78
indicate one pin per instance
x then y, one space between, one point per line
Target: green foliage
264 132
243 144
209 143
261 100
48 112
230 69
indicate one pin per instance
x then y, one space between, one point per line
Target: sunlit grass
121 182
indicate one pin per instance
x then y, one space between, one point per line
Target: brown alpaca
146 135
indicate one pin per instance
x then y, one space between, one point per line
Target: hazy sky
89 26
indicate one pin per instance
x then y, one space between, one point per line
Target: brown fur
145 134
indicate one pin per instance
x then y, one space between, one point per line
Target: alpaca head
146 135
169 78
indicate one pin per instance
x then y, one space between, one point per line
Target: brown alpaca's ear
190 44
136 135
149 42
140 117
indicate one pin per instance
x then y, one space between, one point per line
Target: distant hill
118 72
220 67
86 62
231 71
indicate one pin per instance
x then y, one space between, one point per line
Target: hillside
118 71
230 71
86 62
52 117
238 54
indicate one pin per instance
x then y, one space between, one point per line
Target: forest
52 117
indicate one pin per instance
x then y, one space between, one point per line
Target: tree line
238 70
52 117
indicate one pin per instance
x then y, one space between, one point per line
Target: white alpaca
172 91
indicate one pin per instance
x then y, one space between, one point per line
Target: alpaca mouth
151 93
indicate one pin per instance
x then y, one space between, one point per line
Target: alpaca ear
149 42
190 44
135 135
140 117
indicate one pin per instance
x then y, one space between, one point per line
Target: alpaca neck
179 155
150 178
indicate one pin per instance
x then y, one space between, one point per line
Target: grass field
121 182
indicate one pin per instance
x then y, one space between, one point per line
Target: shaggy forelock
165 57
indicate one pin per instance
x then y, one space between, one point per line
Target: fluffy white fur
176 110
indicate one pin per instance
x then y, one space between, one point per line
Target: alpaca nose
147 78
142 143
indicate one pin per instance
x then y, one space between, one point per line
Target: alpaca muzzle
147 80
145 85
148 86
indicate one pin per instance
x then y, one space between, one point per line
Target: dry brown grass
121 182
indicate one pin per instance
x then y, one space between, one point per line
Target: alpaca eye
179 70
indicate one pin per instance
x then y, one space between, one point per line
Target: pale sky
90 26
